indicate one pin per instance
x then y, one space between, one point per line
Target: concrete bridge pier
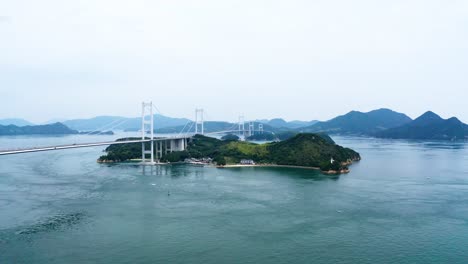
166 146
178 144
159 149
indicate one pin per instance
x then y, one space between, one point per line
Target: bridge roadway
85 145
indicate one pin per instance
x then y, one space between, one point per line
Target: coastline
331 172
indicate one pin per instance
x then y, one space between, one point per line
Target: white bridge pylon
158 146
199 122
147 124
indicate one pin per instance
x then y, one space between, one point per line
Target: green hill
311 150
308 150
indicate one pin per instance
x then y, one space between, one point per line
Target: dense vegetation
125 152
309 150
265 136
230 137
281 136
429 126
52 129
313 151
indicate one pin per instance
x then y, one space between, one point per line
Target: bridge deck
84 145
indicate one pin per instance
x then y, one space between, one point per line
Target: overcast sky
292 59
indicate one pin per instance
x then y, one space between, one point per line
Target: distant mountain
429 126
298 124
281 123
359 123
54 120
122 123
277 122
51 129
15 122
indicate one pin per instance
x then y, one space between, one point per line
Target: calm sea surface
405 202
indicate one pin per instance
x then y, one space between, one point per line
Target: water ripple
57 222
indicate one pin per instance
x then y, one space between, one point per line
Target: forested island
50 129
303 150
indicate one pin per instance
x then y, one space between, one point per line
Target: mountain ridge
281 123
15 122
428 126
360 123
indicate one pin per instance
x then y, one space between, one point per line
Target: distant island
51 129
102 133
303 150
429 126
380 123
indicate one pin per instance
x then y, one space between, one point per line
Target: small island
303 150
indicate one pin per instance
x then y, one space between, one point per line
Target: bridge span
158 146
71 146
171 143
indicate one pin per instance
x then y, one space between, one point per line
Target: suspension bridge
158 146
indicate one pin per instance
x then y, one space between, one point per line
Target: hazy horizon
192 118
297 60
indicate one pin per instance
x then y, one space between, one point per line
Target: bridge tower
251 128
260 128
147 123
199 122
241 125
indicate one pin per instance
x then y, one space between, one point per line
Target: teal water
405 202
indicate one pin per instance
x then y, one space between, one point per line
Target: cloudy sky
293 59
